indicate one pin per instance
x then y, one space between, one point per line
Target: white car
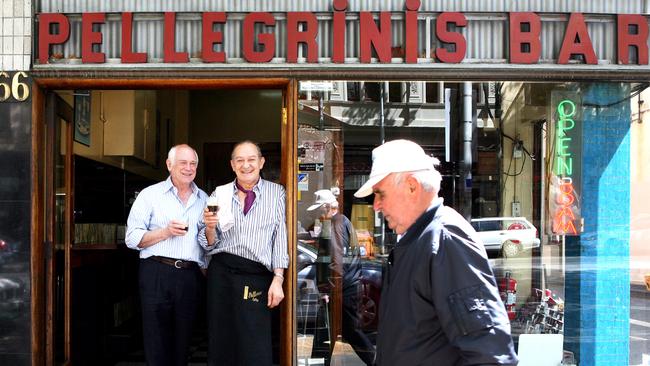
509 235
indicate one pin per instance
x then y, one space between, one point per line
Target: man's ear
412 184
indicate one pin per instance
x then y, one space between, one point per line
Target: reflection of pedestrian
163 225
439 304
338 271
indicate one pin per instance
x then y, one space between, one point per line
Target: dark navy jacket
440 304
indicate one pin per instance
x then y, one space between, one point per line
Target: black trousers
169 298
239 322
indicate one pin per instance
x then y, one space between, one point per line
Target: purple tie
250 197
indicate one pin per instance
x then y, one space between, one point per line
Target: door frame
42 339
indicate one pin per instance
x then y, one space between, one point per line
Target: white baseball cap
323 196
394 157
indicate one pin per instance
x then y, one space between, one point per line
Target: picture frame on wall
82 117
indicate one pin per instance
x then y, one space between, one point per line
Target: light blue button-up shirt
154 208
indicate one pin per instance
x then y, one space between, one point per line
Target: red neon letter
562 226
169 41
519 38
338 31
577 41
306 36
210 37
266 40
90 38
627 40
45 38
370 35
128 56
454 38
411 31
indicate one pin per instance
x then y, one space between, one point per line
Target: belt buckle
177 263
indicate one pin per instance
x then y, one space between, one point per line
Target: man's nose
376 204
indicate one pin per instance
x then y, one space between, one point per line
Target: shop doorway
102 147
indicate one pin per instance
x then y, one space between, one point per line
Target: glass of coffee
213 205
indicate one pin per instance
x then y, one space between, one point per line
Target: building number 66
17 89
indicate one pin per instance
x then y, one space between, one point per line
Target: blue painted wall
598 277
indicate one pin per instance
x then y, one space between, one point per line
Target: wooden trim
48 225
371 72
69 233
159 83
289 158
37 233
47 144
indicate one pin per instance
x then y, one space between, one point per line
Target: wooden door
58 227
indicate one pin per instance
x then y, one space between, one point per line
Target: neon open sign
566 205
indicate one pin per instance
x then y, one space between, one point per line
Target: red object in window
508 292
3 244
516 226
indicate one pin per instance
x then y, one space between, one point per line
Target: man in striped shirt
163 225
248 260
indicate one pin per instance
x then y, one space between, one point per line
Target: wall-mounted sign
259 34
324 86
564 193
82 116
310 167
15 86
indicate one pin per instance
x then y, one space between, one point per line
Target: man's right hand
177 228
210 218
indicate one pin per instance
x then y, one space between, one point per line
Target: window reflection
496 173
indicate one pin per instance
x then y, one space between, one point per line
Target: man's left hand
276 294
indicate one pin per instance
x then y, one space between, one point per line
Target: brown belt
178 263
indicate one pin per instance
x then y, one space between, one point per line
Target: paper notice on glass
303 181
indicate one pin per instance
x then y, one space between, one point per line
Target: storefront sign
14 87
375 39
565 177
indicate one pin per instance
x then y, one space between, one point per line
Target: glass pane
640 230
523 177
15 245
59 236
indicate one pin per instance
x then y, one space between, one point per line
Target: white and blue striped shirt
261 234
154 207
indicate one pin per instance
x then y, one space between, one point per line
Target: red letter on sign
169 41
454 38
210 37
577 41
371 36
308 36
128 56
338 31
627 40
519 38
90 38
267 40
45 38
411 31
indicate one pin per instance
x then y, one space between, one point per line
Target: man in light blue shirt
163 225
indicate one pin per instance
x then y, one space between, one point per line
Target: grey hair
171 155
259 151
429 179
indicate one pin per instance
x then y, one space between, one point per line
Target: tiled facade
16 31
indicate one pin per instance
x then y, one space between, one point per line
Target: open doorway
105 147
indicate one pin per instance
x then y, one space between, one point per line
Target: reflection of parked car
308 299
509 235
